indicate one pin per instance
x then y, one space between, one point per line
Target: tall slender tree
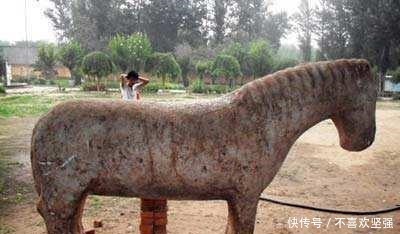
305 25
192 14
220 24
250 16
60 16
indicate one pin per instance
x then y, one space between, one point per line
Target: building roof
16 55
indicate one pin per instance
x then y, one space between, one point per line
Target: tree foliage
183 54
262 58
130 52
60 16
203 68
70 55
47 60
242 54
167 23
396 75
228 67
305 26
282 63
98 65
164 65
360 28
219 22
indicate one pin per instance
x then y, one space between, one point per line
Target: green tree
203 68
396 75
344 30
262 58
241 53
250 18
305 26
219 20
184 56
97 65
164 66
282 63
228 67
60 16
186 65
331 28
130 52
46 61
71 55
162 21
192 16
274 28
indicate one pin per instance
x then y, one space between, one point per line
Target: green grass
24 105
62 82
36 105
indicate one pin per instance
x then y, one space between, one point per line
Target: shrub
228 67
242 54
153 87
203 68
283 63
218 89
28 80
40 81
61 82
186 65
98 65
2 89
198 87
163 65
51 82
91 86
396 75
261 55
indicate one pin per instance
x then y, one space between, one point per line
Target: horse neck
288 103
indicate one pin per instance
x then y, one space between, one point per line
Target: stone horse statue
229 148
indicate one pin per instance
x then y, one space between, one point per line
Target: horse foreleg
64 217
241 215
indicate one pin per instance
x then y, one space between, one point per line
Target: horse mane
318 80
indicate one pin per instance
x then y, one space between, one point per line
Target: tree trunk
98 84
163 81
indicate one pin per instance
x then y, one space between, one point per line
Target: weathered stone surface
228 148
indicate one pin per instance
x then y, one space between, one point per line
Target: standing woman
131 85
153 215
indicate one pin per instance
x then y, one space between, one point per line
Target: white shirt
130 93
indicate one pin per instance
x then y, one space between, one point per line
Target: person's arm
144 81
122 78
140 83
122 84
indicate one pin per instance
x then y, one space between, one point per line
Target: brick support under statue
153 216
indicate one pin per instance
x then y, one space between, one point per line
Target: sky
12 20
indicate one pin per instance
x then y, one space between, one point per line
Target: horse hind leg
63 216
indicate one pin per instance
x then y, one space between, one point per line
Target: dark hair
132 75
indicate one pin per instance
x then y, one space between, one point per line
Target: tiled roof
20 55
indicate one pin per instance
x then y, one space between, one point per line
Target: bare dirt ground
316 172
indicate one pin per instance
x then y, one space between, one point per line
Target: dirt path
317 172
